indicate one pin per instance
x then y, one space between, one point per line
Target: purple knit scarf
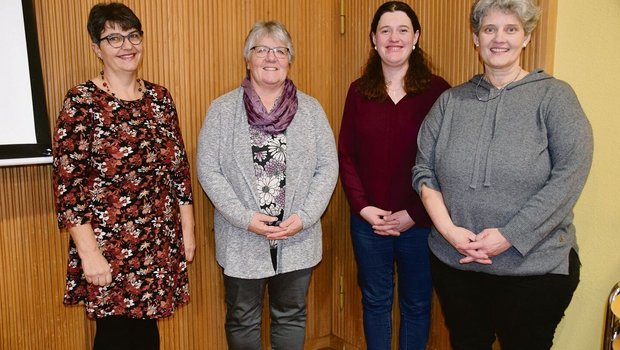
281 114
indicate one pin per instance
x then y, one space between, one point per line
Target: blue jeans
375 256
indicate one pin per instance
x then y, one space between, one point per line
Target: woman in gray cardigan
268 162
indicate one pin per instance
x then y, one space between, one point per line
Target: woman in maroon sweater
377 149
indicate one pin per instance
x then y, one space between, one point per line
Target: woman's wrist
445 227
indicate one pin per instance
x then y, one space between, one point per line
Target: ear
416 36
476 39
527 39
374 39
96 49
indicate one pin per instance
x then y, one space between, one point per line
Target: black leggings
124 333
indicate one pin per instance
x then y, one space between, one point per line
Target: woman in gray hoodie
501 162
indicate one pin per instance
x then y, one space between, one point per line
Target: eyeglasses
117 40
262 51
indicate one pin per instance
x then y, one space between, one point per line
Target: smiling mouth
127 56
499 50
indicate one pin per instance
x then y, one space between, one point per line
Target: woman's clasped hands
479 247
386 223
265 225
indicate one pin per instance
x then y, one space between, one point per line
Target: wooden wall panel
194 48
32 258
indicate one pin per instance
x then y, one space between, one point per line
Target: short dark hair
418 76
108 14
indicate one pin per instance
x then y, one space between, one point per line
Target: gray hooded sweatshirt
515 159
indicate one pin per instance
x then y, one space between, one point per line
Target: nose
271 55
499 36
126 44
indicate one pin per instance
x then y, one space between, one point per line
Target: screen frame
41 152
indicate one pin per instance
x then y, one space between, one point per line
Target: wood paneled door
194 48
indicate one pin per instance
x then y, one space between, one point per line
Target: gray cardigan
516 162
226 173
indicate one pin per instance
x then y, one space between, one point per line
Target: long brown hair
418 77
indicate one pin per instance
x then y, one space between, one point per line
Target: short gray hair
272 29
525 10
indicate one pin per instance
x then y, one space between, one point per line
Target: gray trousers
287 306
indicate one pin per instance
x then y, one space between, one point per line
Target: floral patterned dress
121 167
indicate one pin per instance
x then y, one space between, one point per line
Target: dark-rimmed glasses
262 51
117 40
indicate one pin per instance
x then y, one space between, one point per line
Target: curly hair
418 77
525 10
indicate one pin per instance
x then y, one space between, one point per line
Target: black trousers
124 333
522 311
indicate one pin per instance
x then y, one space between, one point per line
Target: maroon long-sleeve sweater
377 149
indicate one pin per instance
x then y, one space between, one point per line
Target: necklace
503 86
500 89
396 87
107 86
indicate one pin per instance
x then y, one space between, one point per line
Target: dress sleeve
182 176
71 163
570 145
347 155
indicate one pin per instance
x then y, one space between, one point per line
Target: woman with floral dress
267 160
122 186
